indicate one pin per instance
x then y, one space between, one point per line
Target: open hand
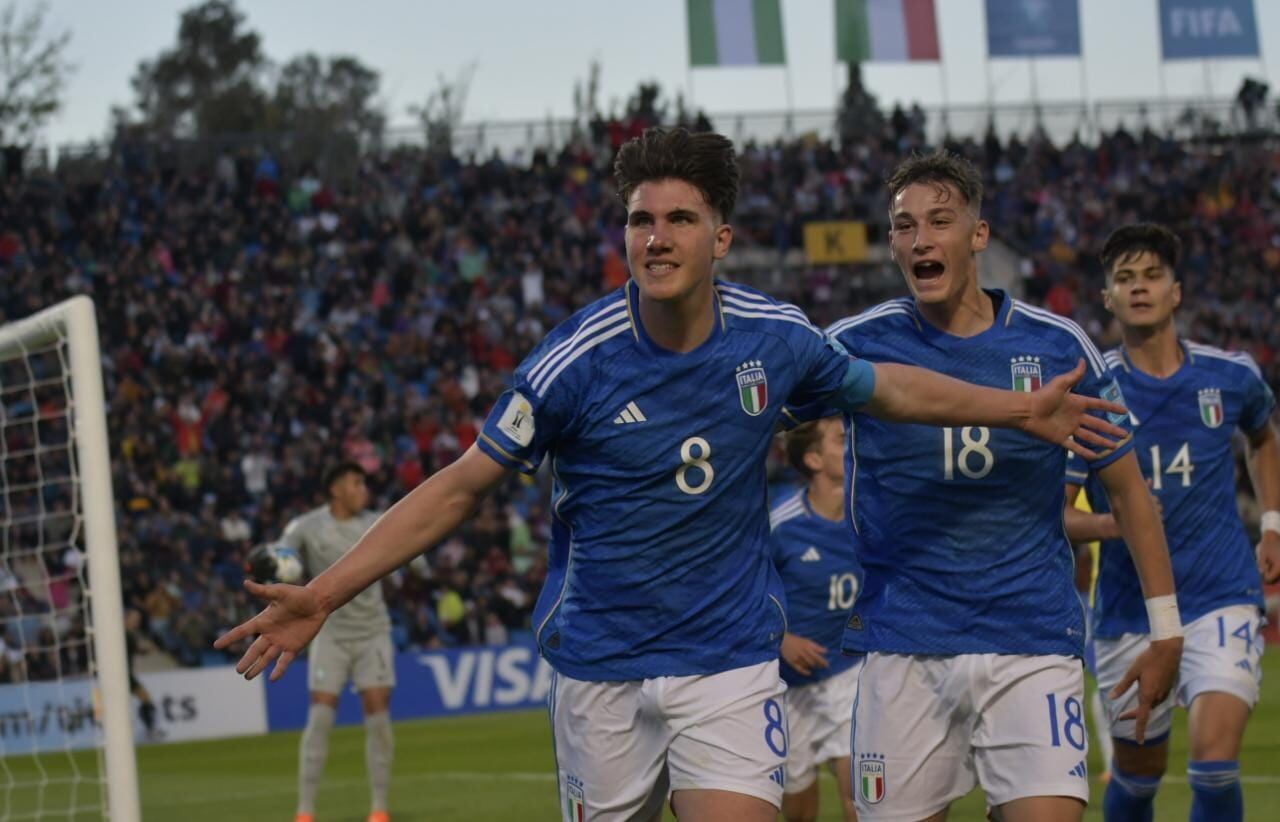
1063 418
1155 672
292 618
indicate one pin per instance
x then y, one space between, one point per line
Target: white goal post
64 339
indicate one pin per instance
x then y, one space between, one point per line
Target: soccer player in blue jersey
1186 400
813 550
661 614
968 614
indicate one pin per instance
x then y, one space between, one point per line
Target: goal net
66 736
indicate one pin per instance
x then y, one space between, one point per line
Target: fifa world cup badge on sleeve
1026 374
577 800
1211 407
753 387
1112 393
871 781
517 420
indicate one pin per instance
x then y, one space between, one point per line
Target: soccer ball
274 562
288 563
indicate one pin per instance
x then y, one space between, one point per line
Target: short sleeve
1106 386
531 416
1258 400
818 394
295 536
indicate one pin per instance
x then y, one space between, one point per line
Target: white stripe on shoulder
1237 357
788 510
883 310
612 314
541 385
1091 351
782 308
751 299
772 315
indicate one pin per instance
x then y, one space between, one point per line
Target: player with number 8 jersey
661 614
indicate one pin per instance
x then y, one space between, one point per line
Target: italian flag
886 30
735 33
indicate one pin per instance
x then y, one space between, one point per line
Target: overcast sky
528 55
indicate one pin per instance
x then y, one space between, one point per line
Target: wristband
1162 614
1271 521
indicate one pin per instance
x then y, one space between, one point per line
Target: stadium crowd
261 322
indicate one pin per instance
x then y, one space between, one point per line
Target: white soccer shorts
622 747
820 716
927 729
1221 651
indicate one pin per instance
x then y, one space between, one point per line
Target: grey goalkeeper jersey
321 540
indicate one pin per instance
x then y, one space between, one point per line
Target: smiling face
673 237
933 237
1141 291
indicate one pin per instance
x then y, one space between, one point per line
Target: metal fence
338 155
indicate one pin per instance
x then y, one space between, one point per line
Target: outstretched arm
904 393
294 614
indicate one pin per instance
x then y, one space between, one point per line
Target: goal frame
74 319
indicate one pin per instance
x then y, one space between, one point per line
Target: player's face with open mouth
673 235
933 236
1141 291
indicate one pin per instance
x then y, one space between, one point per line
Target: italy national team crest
871 783
577 800
1026 374
753 387
1211 407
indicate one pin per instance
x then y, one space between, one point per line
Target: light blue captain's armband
856 388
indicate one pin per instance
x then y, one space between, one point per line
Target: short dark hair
1128 241
339 471
938 169
705 160
800 441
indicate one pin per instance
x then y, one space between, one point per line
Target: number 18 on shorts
928 729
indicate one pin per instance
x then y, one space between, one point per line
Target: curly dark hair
705 160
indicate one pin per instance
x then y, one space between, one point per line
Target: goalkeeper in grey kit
355 644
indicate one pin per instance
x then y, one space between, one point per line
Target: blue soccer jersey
819 567
658 564
960 529
1183 429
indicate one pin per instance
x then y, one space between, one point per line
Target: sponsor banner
203 703
47 716
191 703
429 684
1199 29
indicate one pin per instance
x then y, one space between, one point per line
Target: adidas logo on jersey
1080 770
778 776
811 555
630 413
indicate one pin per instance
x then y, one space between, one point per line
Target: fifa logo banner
1033 28
1198 29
